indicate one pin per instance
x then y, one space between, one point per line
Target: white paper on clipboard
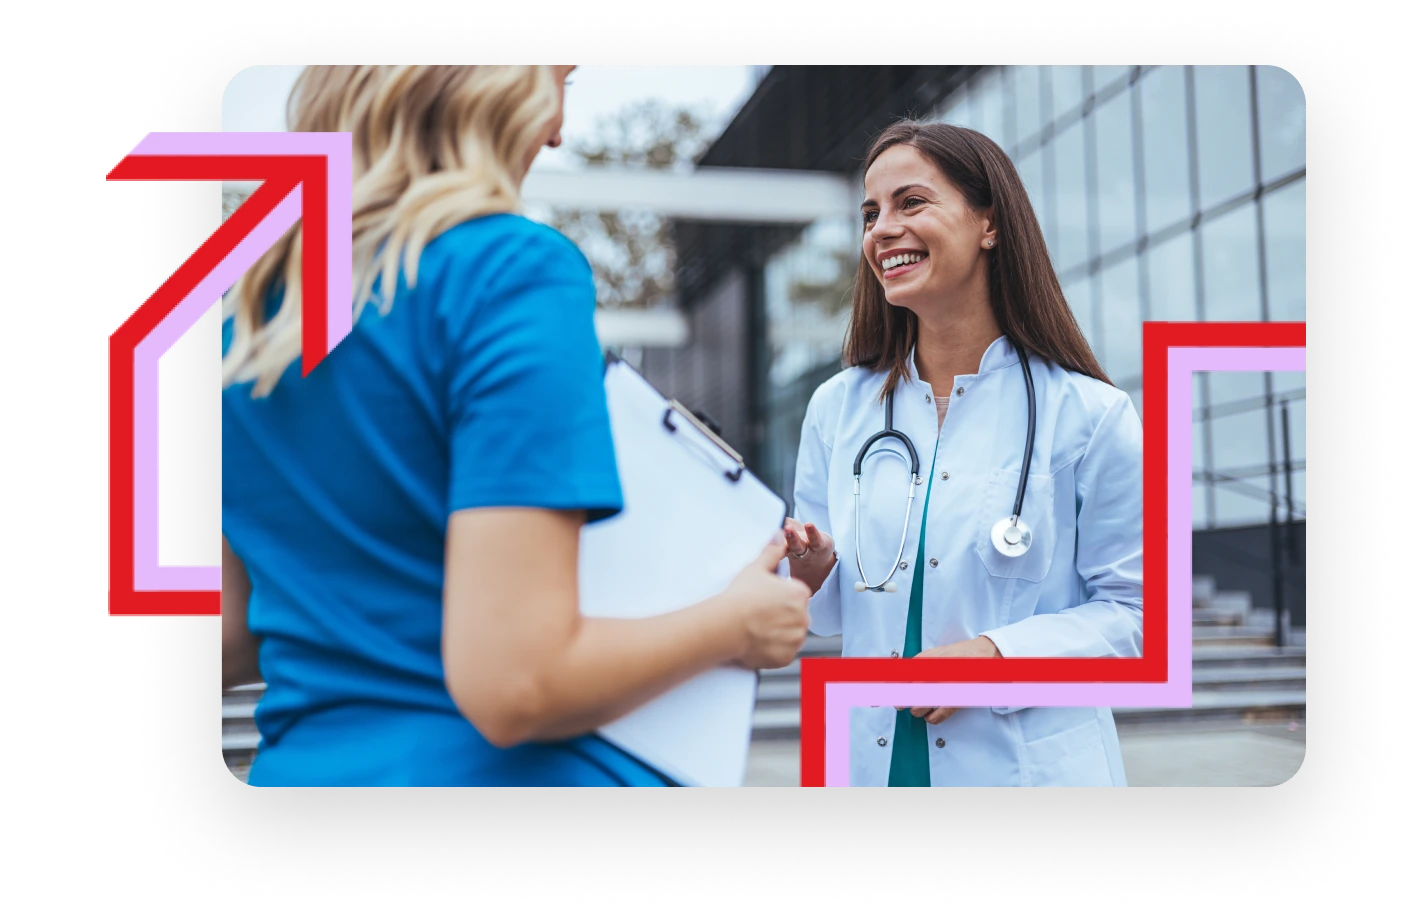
650 559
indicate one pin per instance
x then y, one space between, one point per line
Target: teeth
899 260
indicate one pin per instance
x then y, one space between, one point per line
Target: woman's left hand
980 647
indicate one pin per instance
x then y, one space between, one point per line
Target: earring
990 243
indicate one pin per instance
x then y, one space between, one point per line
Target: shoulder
1090 409
505 245
830 399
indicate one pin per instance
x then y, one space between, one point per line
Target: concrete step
1216 618
1235 679
780 723
1245 656
1237 602
1230 636
1239 705
822 646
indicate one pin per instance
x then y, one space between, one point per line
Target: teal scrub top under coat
911 767
481 387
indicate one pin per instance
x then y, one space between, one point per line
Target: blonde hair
432 147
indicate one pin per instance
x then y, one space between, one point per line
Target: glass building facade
1164 194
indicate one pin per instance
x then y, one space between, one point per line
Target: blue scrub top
481 387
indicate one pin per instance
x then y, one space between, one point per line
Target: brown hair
1024 291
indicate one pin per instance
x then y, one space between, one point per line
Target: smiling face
921 238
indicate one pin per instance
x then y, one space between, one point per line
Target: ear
989 238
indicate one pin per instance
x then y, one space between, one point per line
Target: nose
885 226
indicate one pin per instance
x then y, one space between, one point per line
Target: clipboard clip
734 474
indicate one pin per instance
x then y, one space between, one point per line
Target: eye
911 202
869 216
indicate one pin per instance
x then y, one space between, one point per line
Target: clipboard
679 479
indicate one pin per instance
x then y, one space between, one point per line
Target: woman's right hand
772 611
811 553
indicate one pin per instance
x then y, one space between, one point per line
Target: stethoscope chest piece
1012 536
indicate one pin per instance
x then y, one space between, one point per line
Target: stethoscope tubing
916 480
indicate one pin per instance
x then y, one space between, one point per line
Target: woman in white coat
954 288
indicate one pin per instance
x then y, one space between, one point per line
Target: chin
901 298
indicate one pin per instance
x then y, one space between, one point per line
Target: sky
255 98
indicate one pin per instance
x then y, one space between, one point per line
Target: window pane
1103 77
1230 266
1031 169
1117 206
1006 78
1224 152
1199 519
1122 322
1077 293
1281 107
1171 280
1071 197
1240 442
1165 161
1298 494
988 106
1026 85
1284 251
1296 432
1244 502
1067 84
956 108
1229 387
1198 427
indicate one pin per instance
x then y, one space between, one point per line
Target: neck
952 339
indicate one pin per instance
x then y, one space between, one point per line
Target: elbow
506 711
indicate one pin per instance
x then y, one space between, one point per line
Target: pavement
1238 755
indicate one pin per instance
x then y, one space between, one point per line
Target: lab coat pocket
1038 512
1073 758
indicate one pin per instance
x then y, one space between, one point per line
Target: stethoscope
1011 536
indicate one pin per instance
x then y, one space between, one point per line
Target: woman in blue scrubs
401 527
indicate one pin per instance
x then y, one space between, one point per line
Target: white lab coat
1076 593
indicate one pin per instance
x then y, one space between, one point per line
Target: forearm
1097 629
612 666
240 650
815 577
240 660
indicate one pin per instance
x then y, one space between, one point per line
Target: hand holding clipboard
676 472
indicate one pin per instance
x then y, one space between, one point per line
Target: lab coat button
895 654
902 564
945 475
960 391
929 398
882 741
940 742
933 563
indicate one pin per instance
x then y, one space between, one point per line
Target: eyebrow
895 194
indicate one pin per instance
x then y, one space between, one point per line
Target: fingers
938 715
818 538
772 554
922 712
